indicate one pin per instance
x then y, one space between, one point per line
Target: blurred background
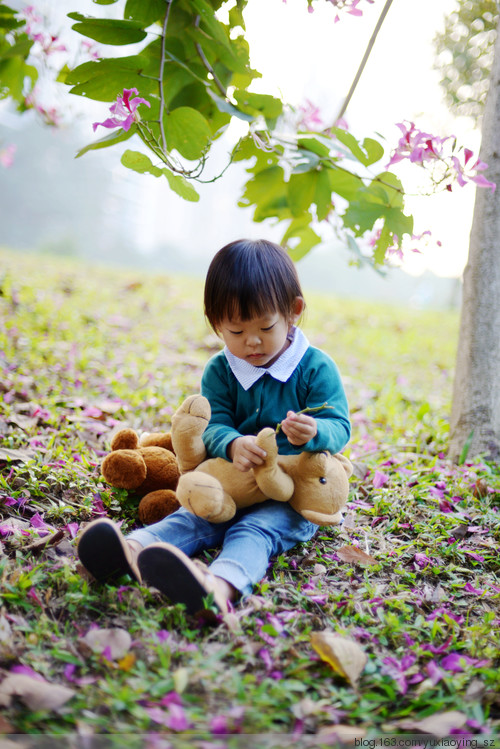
94 208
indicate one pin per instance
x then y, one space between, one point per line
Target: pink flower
124 111
421 560
310 118
7 155
380 479
424 148
397 670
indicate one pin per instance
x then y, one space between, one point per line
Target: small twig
206 63
308 410
160 80
355 82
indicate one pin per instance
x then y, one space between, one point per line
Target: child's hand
299 428
245 453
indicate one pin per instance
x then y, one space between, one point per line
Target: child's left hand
299 428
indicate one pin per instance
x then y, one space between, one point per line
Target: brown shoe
174 574
104 552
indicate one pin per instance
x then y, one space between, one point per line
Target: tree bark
475 416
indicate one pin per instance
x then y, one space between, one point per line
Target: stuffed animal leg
188 424
270 477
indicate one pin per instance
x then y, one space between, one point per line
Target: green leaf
267 190
383 242
210 24
108 140
225 106
104 2
392 187
301 230
301 191
145 12
344 183
311 143
181 186
21 48
108 30
367 154
374 150
187 131
258 104
13 72
142 164
8 18
466 449
103 80
323 195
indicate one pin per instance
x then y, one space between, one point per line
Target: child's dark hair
249 278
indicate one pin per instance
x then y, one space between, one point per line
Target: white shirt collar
281 370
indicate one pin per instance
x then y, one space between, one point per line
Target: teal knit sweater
235 411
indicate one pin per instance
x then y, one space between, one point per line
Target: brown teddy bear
146 466
315 484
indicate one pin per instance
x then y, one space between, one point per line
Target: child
266 374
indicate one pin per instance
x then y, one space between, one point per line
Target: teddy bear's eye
322 480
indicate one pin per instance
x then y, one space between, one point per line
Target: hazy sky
317 59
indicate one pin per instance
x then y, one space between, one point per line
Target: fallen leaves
439 724
35 693
355 555
113 643
345 656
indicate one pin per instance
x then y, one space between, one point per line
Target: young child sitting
266 374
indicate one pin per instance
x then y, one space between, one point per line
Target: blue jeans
248 540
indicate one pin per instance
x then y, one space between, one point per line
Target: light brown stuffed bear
148 467
315 484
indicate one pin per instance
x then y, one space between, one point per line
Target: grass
84 349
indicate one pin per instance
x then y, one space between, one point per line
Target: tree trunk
475 416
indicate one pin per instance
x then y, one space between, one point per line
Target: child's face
261 340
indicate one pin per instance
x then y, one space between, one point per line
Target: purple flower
397 670
124 111
421 560
379 479
456 662
435 673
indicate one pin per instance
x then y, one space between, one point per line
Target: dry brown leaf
354 555
341 733
13 455
344 655
117 640
34 693
439 724
41 543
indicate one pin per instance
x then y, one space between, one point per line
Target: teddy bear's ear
125 439
346 464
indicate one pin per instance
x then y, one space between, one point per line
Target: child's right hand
245 454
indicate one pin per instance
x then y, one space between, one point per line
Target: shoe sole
172 573
102 552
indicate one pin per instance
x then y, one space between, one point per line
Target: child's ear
298 307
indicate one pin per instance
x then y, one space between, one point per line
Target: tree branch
365 59
207 65
162 66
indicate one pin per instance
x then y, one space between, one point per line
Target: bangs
249 279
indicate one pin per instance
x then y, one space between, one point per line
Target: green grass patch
85 349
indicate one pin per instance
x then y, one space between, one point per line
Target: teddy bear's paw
125 439
266 439
157 505
204 497
195 405
191 417
124 469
